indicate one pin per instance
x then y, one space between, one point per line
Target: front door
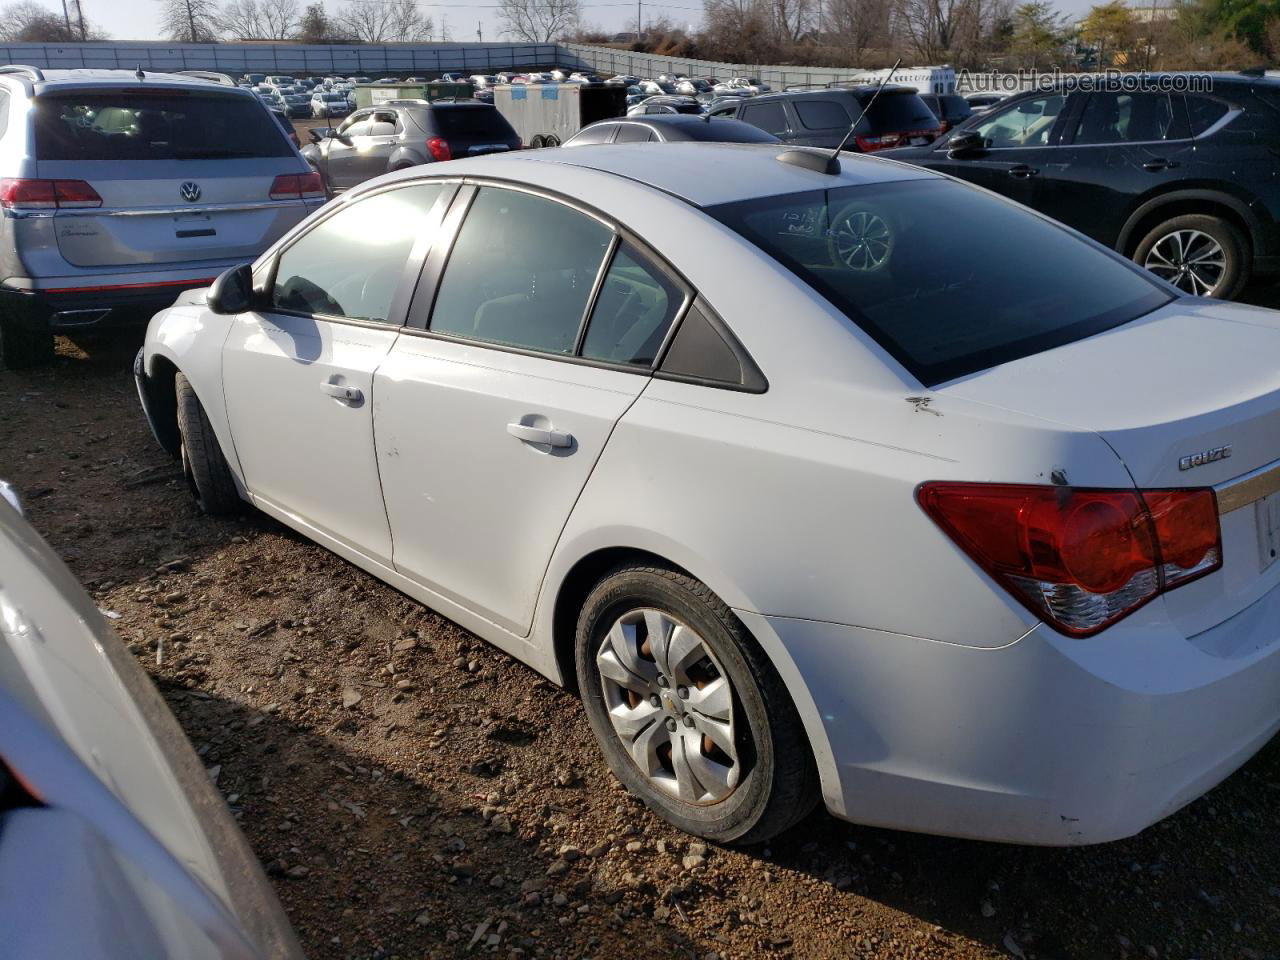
298 375
489 423
343 158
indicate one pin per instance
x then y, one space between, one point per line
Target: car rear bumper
1049 740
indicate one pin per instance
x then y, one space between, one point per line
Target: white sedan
864 486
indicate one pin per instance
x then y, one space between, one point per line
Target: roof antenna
137 72
829 163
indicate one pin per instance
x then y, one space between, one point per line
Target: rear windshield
954 106
900 111
160 125
483 122
947 279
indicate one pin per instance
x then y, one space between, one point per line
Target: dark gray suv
405 133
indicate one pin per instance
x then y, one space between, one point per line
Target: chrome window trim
1248 488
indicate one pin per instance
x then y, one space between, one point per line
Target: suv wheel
203 464
1201 255
25 340
691 716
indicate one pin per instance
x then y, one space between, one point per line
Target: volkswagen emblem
190 191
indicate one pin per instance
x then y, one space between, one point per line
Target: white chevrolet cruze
866 486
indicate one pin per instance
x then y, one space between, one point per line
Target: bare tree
538 21
859 24
385 21
189 21
932 27
280 18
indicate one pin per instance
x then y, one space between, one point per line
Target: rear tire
26 341
203 464
690 714
551 141
538 141
1201 255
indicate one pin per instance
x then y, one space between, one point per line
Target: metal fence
239 58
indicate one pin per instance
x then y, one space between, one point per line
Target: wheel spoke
716 778
626 647
611 668
644 749
684 649
715 700
659 629
690 790
720 732
630 722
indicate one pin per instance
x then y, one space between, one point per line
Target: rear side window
159 125
1204 113
769 117
473 123
1130 118
636 307
350 264
597 133
633 133
900 111
521 272
998 284
822 114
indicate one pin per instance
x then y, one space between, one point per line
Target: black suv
1183 183
404 133
821 118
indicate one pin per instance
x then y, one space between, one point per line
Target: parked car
330 104
121 189
297 105
405 133
585 78
822 118
655 88
665 104
694 88
1183 184
1028 542
483 81
624 79
672 128
950 109
752 85
114 842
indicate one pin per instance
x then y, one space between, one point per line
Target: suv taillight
16 194
439 148
1080 559
295 186
883 142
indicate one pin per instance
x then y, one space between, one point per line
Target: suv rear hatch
897 118
470 129
182 175
1187 396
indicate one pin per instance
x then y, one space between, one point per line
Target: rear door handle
550 438
1021 171
1159 163
352 396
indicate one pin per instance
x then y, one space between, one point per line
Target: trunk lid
1194 379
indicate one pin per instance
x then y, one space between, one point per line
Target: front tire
203 464
691 716
1203 256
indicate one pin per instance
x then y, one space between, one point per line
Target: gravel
414 793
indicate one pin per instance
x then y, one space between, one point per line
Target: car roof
743 171
81 77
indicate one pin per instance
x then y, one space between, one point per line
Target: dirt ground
414 793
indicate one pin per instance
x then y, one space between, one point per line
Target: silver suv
119 189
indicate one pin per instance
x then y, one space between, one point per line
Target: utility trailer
548 114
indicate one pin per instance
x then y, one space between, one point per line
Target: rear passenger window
521 272
634 311
350 264
822 114
1130 118
769 117
597 133
1204 112
633 133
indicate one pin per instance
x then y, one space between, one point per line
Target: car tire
538 141
720 681
1209 241
551 141
203 464
26 341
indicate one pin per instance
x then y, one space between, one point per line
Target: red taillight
1080 559
294 186
47 194
872 144
439 148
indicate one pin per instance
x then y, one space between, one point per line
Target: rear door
176 175
298 374
491 416
770 116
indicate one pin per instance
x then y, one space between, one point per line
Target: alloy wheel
862 240
1189 259
671 705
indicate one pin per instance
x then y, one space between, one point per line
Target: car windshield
155 125
947 279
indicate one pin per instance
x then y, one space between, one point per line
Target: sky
136 19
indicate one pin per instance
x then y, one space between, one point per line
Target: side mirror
966 142
232 292
318 133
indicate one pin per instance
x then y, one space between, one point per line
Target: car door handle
1021 171
352 396
1159 163
550 438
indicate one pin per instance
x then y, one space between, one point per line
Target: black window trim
398 310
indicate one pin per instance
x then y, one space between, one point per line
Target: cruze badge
190 191
1205 456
